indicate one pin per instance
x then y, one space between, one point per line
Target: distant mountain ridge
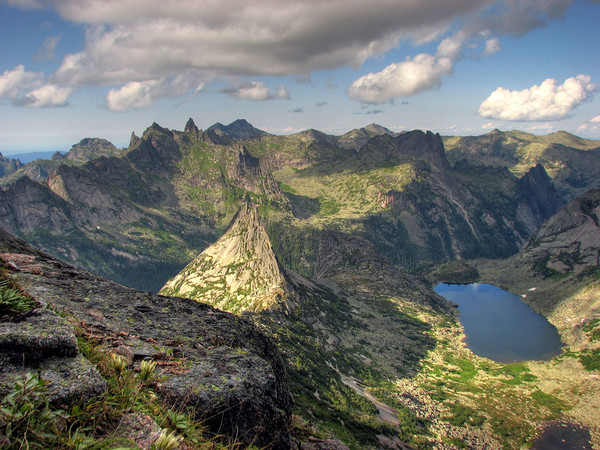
86 150
170 194
573 163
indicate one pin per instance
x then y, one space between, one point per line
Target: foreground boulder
223 367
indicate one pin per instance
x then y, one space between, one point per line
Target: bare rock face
26 205
237 273
234 377
570 240
42 341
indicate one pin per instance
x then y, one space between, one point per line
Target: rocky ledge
222 366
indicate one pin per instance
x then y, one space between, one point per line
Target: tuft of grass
166 441
147 369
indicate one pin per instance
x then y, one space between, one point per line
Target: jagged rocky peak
237 273
156 128
238 129
8 165
570 240
58 156
190 127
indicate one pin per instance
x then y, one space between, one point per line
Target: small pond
499 326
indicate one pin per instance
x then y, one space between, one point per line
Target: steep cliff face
540 197
448 213
568 242
27 205
234 377
351 260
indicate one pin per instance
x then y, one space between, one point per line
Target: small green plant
167 441
147 370
13 301
26 416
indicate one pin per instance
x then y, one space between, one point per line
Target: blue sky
71 69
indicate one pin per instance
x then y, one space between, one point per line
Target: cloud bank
548 101
140 50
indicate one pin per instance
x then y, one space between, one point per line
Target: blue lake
499 326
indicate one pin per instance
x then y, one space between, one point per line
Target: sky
71 69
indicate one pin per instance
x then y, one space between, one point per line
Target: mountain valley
328 247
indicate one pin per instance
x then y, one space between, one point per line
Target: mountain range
330 245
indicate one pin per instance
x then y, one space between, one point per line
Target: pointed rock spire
237 273
190 127
134 139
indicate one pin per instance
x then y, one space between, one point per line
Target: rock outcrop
190 127
355 139
233 379
91 148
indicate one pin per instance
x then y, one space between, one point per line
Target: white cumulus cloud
47 96
491 46
13 82
133 95
548 101
256 91
409 77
